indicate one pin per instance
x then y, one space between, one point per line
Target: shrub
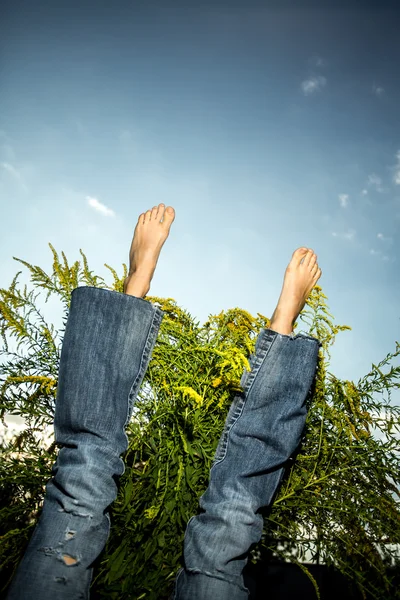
339 497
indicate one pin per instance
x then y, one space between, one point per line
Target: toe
147 216
300 251
317 275
313 261
310 258
160 211
299 254
305 259
169 216
141 218
154 212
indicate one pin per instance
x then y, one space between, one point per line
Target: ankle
136 285
281 324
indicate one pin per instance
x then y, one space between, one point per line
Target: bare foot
301 275
151 231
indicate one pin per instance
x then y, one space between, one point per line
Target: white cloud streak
348 235
101 208
11 170
396 177
343 199
14 173
383 238
313 84
378 253
375 182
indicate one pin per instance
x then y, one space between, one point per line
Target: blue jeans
262 430
107 346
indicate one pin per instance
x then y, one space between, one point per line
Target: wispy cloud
101 208
348 235
383 238
374 181
396 177
364 192
317 61
11 170
14 173
313 84
343 199
379 254
378 91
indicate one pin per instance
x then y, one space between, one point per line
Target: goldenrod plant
339 500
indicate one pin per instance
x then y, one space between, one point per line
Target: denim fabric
107 346
262 430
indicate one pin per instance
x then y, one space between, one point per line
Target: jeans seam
151 339
176 584
225 434
246 391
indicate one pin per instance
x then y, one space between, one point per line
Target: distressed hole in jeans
61 580
69 560
69 534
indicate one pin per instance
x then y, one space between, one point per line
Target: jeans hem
242 588
294 335
196 571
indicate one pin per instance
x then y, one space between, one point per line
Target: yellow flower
188 391
216 382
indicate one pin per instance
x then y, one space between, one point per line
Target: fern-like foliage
339 498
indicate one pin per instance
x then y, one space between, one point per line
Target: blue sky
267 126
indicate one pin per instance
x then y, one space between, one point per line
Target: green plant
339 497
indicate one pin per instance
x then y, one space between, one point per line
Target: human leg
107 346
262 430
